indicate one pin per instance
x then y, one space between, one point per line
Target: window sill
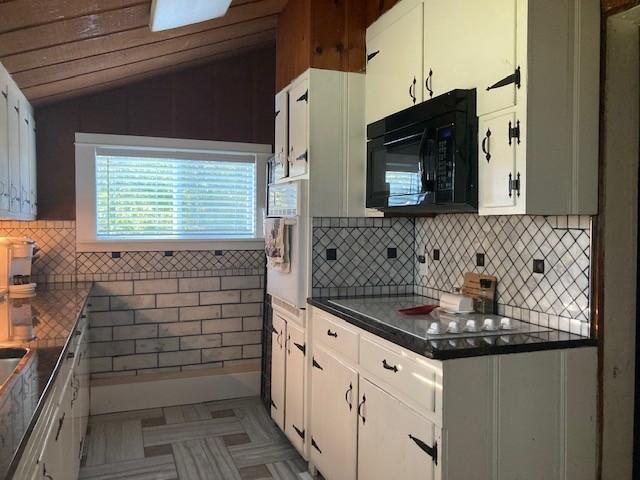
169 245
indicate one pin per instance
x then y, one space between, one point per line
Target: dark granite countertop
43 324
379 315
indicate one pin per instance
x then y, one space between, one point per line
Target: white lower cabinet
55 445
334 393
393 440
278 358
378 411
288 366
294 393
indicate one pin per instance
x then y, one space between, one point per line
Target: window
165 194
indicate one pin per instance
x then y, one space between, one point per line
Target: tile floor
228 439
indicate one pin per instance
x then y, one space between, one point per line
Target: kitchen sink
9 359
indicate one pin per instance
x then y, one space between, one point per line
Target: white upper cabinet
471 44
281 135
15 201
298 127
394 62
534 66
18 198
4 142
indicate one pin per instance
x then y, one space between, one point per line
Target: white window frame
86 145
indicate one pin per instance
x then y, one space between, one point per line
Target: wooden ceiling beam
152 66
19 14
240 11
52 73
75 29
40 102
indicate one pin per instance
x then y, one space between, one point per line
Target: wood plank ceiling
57 49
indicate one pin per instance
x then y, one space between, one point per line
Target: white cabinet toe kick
369 409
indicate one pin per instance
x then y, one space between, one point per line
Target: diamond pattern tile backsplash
559 297
372 256
510 244
58 260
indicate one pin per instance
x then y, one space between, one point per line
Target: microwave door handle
403 139
423 163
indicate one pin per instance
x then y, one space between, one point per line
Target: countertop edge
17 456
387 333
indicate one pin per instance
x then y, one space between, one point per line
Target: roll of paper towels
455 302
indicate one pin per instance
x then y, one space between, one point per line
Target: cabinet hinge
303 156
514 132
298 431
273 404
431 451
508 80
5 94
514 185
316 365
302 348
372 54
315 445
273 330
277 113
304 97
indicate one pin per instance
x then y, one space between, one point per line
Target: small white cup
505 323
434 328
489 324
453 327
471 326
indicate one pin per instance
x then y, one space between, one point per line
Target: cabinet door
334 392
278 335
474 48
14 150
394 67
393 440
281 135
496 163
4 142
298 127
33 166
25 162
294 395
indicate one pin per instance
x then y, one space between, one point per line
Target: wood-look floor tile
248 402
191 431
153 422
283 471
257 472
186 413
123 416
112 442
158 450
154 468
223 413
258 424
205 459
253 453
236 439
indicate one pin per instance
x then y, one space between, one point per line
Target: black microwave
425 159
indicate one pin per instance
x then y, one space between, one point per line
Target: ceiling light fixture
167 14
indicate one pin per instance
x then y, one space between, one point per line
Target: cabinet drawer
335 334
411 377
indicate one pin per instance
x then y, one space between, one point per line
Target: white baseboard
120 394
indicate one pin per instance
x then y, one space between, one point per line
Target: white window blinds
155 196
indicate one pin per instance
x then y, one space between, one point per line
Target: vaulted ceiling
57 49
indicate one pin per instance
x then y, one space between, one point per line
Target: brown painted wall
230 100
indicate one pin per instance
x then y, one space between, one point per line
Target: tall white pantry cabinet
18 185
535 67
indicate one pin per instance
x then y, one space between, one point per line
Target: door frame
616 304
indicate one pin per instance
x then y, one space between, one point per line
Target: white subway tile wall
153 312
